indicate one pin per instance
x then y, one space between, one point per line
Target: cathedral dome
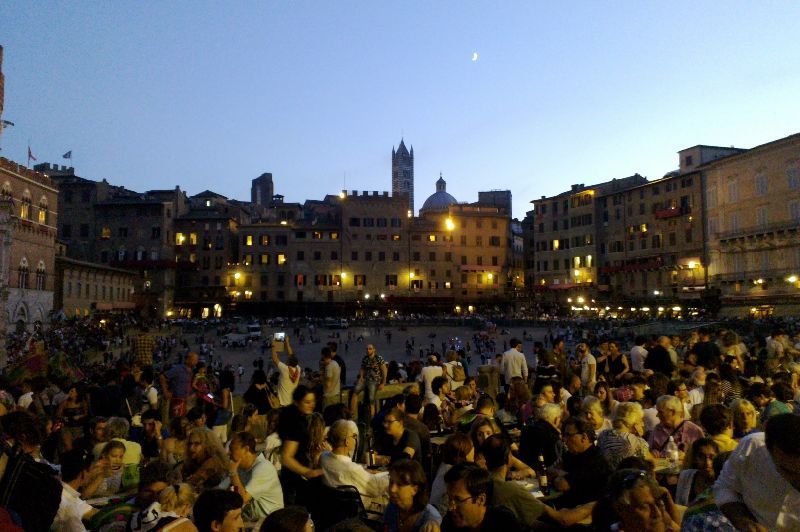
439 200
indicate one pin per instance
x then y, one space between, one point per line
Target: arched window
25 206
22 279
6 192
40 276
43 210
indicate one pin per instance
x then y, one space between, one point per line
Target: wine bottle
541 471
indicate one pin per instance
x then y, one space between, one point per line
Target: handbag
272 397
29 489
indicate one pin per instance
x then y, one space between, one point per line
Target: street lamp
792 279
449 224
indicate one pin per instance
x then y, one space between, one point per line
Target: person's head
242 448
218 510
496 452
592 408
408 486
113 453
227 380
197 416
370 350
634 497
325 357
117 427
613 348
759 394
259 378
178 498
745 416
716 419
558 345
191 360
577 434
413 405
482 428
203 444
701 456
75 466
601 391
472 383
458 448
469 489
289 519
639 386
629 417
304 399
784 446
152 480
678 388
439 386
782 392
514 343
150 420
547 393
179 427
485 405
343 434
394 422
97 429
670 411
581 350
551 413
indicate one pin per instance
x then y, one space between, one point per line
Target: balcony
758 230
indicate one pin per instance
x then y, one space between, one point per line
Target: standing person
639 354
514 363
224 405
371 378
331 378
240 371
333 346
289 373
176 384
293 429
587 366
558 357
143 347
431 370
617 362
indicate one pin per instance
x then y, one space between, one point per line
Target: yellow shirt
725 442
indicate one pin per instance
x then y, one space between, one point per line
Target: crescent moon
474 56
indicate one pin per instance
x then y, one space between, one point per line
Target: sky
209 95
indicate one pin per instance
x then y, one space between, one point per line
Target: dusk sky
209 95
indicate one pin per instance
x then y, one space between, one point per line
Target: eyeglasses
455 501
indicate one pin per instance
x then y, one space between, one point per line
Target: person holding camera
289 373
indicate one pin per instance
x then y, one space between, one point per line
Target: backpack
459 375
29 489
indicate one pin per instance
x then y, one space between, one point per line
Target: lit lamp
581 300
792 279
449 224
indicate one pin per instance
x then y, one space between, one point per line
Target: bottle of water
672 453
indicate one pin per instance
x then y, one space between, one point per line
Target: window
122 232
479 241
381 256
359 280
155 233
334 255
369 222
396 222
316 235
793 177
431 238
448 256
396 238
761 185
355 222
463 240
192 239
299 280
761 217
281 258
479 259
264 240
180 238
463 260
263 258
248 240
43 211
84 230
391 280
416 256
381 222
494 241
66 231
733 191
794 211
672 239
494 261
299 235
40 276
22 279
734 222
105 233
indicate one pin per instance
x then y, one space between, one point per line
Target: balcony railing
673 212
758 230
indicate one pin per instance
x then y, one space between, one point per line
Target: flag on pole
30 156
68 155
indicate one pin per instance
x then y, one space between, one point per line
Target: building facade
30 199
84 288
752 220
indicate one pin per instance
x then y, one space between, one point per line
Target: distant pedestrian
240 371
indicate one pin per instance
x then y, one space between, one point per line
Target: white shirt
586 362
638 356
514 365
427 375
696 395
333 382
750 477
262 484
70 511
25 400
285 385
342 471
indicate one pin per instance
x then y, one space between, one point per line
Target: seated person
485 427
717 420
109 468
543 436
73 512
625 437
583 470
169 512
254 478
403 443
207 463
218 510
672 424
700 474
635 498
469 488
151 437
117 428
340 470
527 508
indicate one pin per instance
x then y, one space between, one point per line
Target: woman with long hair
207 462
74 411
408 509
174 448
317 444
457 448
700 475
603 392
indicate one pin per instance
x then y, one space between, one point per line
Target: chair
334 505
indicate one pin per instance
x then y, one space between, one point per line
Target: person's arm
592 373
728 492
233 469
384 372
626 367
162 379
288 460
567 517
287 345
275 358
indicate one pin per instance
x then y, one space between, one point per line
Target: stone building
28 242
752 211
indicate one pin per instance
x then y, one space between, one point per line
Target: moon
474 56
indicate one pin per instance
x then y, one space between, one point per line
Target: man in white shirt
331 380
430 372
340 470
638 354
289 374
514 363
76 472
254 477
759 487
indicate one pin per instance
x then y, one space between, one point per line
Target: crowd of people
589 430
